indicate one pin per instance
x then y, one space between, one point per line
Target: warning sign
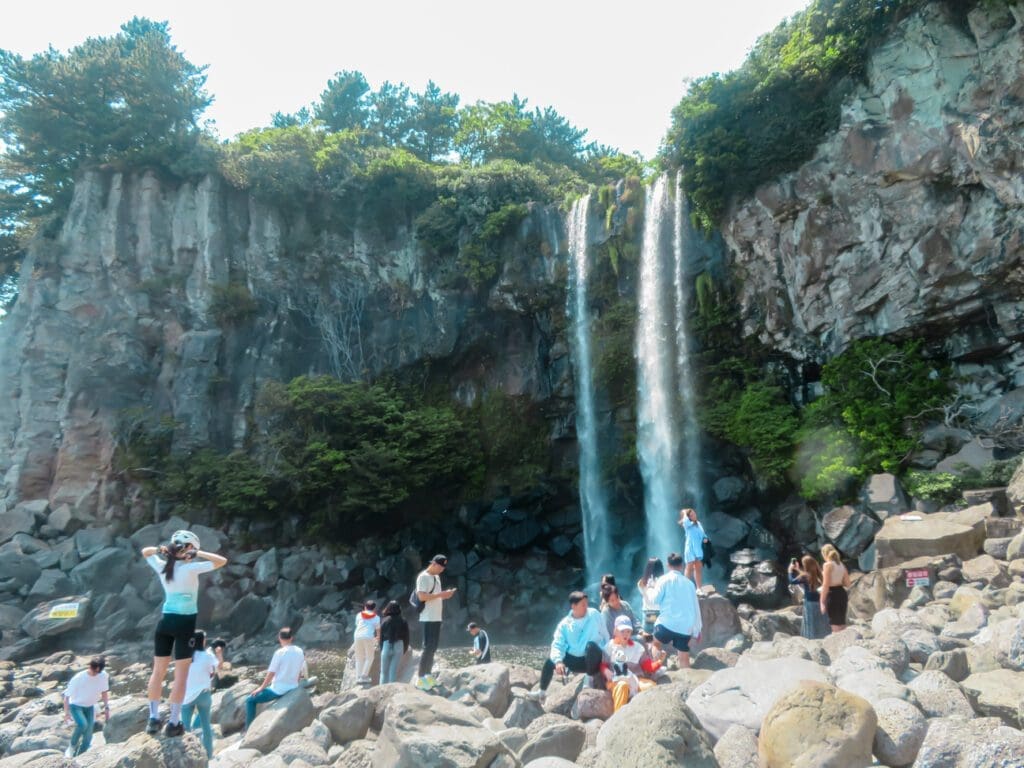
917 577
64 611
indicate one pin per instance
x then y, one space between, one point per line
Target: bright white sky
613 68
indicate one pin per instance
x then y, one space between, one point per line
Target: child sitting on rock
628 666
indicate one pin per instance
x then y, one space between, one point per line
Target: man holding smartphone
428 589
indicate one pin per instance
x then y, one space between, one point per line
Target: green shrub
765 423
943 487
827 463
992 475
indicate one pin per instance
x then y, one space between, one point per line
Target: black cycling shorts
666 636
175 631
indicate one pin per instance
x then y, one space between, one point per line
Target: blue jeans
254 700
201 704
390 655
81 737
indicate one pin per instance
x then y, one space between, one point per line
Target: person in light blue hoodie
576 645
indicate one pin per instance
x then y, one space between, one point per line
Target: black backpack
414 599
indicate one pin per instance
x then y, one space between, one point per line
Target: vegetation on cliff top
132 100
732 132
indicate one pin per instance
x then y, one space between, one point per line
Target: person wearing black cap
430 594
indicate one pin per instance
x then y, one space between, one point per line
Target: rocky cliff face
909 218
181 299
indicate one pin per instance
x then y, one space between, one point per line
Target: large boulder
51 584
593 704
985 568
349 721
248 615
742 695
106 571
229 707
720 622
56 617
900 733
960 533
421 730
975 454
292 712
1006 641
486 684
128 716
999 693
142 751
21 519
883 496
737 748
656 729
817 725
17 570
985 742
849 528
564 740
939 696
299 746
90 541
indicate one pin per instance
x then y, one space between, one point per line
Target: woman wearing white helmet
177 565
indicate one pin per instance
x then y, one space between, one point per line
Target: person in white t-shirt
286 667
199 691
83 691
365 640
179 565
429 592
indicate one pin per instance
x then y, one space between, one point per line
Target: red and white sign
917 577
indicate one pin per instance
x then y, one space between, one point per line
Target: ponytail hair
172 555
830 554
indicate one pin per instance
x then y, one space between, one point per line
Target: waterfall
593 500
682 244
668 434
656 402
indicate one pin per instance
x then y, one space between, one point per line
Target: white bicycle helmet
184 538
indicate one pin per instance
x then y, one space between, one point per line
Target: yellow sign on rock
64 611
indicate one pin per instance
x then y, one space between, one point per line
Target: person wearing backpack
430 597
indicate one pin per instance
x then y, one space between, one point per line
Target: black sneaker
174 729
153 727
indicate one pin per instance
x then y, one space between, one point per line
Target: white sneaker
537 695
69 752
422 683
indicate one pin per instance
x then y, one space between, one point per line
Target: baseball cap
440 559
623 622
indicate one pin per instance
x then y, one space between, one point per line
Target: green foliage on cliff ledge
338 454
878 395
735 131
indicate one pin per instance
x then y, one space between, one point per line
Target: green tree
766 423
883 393
131 98
344 104
390 117
435 119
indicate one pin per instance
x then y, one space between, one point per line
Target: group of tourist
824 591
609 645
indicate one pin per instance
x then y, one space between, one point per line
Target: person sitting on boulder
679 619
83 691
286 667
481 649
577 644
627 665
179 565
613 606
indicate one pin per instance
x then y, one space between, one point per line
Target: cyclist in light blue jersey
179 565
